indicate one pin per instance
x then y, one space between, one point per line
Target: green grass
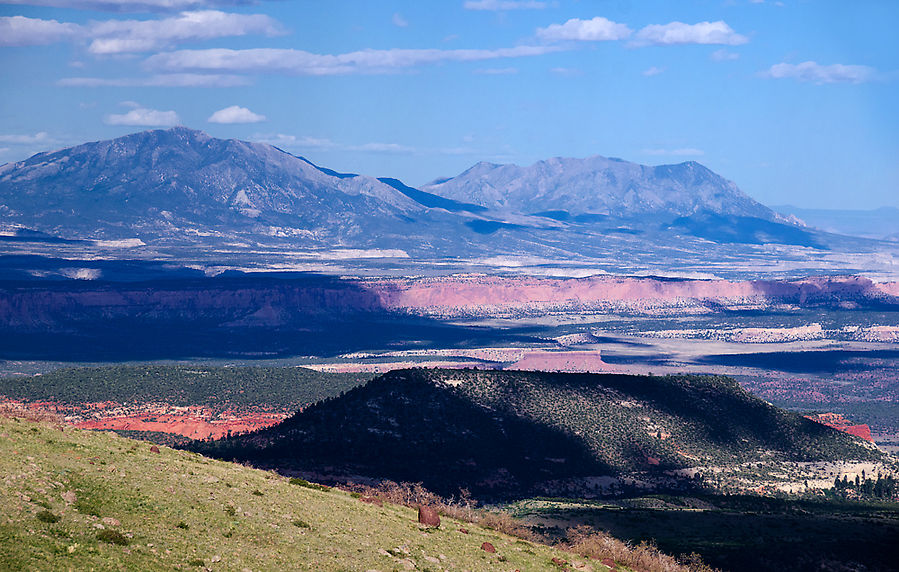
121 507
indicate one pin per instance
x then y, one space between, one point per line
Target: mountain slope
598 185
511 433
179 182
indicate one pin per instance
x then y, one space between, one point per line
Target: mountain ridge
601 185
186 195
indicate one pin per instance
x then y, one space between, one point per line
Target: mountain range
152 183
181 194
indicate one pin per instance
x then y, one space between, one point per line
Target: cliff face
483 293
250 302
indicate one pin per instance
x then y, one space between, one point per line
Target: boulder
487 547
428 516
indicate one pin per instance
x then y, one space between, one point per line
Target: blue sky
796 101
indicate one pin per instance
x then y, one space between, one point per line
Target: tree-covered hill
505 432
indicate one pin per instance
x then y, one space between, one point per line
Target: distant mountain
881 223
511 433
180 183
600 186
183 195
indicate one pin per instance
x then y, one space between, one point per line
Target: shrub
308 485
112 537
47 516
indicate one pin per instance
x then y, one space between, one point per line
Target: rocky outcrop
427 516
840 423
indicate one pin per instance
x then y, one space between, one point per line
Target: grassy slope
177 508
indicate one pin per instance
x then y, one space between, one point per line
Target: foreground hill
523 433
75 500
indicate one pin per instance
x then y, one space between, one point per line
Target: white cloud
399 21
145 117
22 31
294 142
381 148
126 36
502 5
159 80
723 55
684 152
306 63
653 71
816 73
678 33
566 71
596 30
235 114
288 141
39 137
496 71
128 5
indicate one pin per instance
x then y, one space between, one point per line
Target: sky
794 100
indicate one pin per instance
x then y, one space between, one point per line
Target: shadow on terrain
403 428
511 434
816 361
755 533
232 315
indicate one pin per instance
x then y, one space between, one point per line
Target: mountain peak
599 185
161 182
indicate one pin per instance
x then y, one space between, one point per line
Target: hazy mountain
603 186
189 196
881 223
180 182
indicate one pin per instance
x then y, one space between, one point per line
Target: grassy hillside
79 500
507 432
180 385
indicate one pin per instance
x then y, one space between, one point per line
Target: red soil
195 422
185 425
840 423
